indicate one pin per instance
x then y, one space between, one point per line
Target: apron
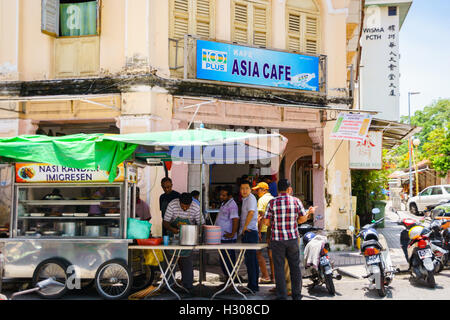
177 223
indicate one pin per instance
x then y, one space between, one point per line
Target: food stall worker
142 209
167 196
249 232
264 196
196 196
228 220
183 211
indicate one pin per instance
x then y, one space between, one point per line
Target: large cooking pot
67 228
94 231
188 235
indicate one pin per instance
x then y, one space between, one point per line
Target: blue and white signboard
232 63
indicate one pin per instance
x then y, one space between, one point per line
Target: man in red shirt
283 214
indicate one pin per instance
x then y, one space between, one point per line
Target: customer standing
283 214
249 232
228 220
264 196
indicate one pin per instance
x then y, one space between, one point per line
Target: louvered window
250 23
302 31
194 17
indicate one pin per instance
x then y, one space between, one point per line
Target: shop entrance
302 180
62 128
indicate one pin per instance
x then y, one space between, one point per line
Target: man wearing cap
264 196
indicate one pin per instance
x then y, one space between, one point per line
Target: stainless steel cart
73 231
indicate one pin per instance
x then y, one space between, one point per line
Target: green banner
79 19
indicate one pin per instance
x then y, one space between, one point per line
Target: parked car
433 195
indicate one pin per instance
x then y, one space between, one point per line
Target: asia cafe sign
241 64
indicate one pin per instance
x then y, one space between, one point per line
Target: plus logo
214 60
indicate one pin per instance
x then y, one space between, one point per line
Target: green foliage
437 149
434 143
367 186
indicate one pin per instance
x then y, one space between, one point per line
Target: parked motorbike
423 263
325 273
435 236
377 259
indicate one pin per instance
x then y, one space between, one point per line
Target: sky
425 54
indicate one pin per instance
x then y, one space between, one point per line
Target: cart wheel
113 280
143 278
51 268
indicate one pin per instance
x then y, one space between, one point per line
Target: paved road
349 288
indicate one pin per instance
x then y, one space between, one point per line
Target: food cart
42 246
71 224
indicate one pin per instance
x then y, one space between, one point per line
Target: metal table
171 264
233 274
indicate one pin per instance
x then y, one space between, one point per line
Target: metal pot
94 231
114 232
188 235
67 228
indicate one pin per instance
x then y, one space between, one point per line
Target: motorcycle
325 273
423 263
433 235
377 259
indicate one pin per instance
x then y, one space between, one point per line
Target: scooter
325 273
434 237
380 271
422 261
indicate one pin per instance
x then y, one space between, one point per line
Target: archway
302 179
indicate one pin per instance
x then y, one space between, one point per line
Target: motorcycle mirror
375 210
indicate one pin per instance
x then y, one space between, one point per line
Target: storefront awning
106 152
393 132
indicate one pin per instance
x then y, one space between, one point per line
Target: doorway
302 179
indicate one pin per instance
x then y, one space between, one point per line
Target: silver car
433 195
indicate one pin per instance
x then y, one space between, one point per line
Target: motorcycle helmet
415 232
409 223
308 237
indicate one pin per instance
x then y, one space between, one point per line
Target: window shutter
50 17
312 35
240 26
203 19
260 26
294 31
181 19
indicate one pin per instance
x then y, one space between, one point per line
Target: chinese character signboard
351 126
367 154
47 173
240 64
380 60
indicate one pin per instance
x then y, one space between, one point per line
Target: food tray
112 214
36 214
149 242
67 214
81 214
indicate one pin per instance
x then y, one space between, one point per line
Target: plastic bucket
212 234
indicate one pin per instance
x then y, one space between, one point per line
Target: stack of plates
68 214
81 214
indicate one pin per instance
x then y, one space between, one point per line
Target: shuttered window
251 22
194 17
302 31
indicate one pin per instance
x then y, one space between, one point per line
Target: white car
433 195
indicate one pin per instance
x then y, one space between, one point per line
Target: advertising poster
351 126
232 63
367 154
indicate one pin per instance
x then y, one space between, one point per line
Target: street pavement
349 264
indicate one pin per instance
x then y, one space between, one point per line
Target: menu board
47 173
351 126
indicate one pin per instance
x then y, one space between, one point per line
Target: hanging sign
240 64
350 126
47 173
367 154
